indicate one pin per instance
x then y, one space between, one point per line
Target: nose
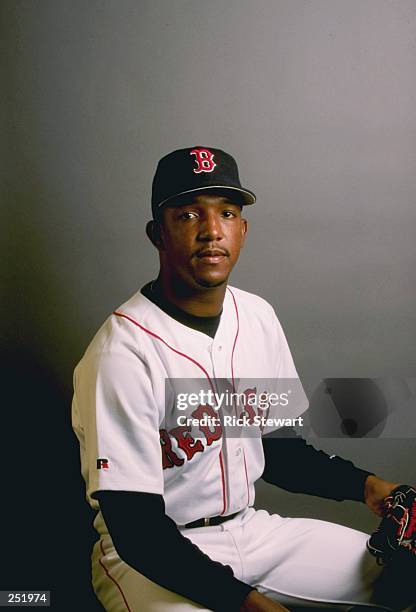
210 228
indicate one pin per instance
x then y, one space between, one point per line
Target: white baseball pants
292 560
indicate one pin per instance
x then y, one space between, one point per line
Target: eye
188 214
228 214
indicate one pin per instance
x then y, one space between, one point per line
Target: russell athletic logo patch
204 160
102 463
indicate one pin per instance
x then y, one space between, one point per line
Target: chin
210 282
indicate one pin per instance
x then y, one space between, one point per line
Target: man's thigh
120 588
307 560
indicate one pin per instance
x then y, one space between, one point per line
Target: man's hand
376 489
256 602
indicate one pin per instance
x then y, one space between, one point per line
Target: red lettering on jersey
169 457
204 160
186 442
211 435
248 408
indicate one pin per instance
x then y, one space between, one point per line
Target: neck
200 302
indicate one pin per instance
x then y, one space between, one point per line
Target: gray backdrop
315 98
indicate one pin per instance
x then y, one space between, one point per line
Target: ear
153 231
244 230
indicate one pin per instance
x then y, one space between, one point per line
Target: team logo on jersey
204 160
185 441
102 463
180 440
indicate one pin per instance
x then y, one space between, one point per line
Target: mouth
212 256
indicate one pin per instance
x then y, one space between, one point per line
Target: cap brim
246 197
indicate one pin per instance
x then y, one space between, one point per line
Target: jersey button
238 452
220 348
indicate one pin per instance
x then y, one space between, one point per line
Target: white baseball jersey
119 406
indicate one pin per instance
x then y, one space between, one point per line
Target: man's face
201 240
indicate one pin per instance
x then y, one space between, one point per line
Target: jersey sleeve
117 424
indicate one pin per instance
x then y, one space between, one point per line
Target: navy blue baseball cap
187 171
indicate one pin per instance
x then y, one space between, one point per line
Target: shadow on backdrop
46 523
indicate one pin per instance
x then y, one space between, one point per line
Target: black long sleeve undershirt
150 542
294 465
145 537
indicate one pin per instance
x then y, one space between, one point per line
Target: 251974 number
25 598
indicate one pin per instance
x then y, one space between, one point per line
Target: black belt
207 522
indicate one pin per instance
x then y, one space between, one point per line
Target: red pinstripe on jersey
233 381
235 339
245 469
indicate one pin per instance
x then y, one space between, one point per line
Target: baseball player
175 517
